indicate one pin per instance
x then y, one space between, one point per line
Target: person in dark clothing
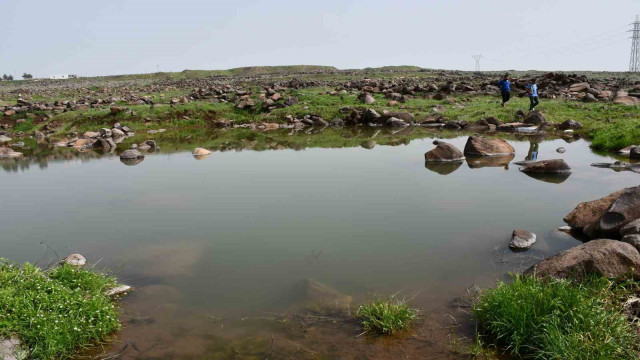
532 90
505 89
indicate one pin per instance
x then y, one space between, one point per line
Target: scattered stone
4 139
200 153
444 152
368 99
610 258
522 240
570 125
38 135
535 118
580 87
75 260
561 150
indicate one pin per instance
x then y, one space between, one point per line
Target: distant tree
7 77
27 76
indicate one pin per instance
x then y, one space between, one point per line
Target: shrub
386 316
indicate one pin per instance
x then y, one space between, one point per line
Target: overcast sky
46 37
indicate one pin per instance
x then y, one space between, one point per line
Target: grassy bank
533 318
610 126
55 312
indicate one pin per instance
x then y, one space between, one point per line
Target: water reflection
443 167
477 162
132 162
549 178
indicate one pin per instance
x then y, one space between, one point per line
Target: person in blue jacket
532 90
505 89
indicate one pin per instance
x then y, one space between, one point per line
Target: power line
634 62
477 59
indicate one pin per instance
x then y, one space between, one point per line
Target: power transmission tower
634 63
477 59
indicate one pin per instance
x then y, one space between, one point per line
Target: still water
217 248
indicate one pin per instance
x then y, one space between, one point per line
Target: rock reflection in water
132 162
477 162
443 167
550 178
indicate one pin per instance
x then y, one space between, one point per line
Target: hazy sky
135 36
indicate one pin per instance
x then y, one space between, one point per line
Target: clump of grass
57 311
616 135
386 317
556 319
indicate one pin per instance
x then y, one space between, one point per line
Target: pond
224 252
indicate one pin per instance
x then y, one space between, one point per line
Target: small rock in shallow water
75 260
564 228
561 150
118 290
131 154
200 152
522 240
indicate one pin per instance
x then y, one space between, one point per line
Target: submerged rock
522 239
444 152
311 292
610 258
481 146
75 260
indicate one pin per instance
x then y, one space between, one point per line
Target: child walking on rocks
505 89
532 90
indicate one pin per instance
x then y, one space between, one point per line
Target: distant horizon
47 77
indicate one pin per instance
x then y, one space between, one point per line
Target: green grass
55 312
386 317
556 319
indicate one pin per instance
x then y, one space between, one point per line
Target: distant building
63 77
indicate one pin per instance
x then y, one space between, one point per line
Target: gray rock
631 228
131 154
561 150
4 138
625 209
10 349
117 133
522 239
634 152
395 122
480 146
444 152
105 133
610 258
633 240
554 166
75 260
570 124
8 153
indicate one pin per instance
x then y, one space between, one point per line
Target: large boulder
625 209
589 212
480 146
610 258
535 118
631 228
634 152
444 152
555 166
